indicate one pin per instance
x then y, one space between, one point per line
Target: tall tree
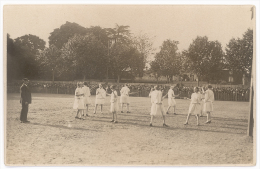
61 35
124 57
143 43
156 69
100 33
85 55
27 48
13 68
168 59
50 61
120 33
239 53
205 58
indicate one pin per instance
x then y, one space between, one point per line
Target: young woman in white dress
171 100
124 98
86 98
195 107
157 107
100 98
79 100
114 103
208 103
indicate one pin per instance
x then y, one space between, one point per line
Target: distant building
231 77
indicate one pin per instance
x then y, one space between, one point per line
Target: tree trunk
198 81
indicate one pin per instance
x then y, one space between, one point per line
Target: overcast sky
175 22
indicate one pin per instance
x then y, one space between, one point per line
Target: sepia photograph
129 85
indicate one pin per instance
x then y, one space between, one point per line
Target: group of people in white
201 101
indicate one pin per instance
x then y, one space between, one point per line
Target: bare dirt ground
54 137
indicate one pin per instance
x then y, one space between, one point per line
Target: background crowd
140 90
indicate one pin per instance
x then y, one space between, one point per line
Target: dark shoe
164 125
151 124
21 122
185 123
174 113
115 122
122 112
167 113
27 121
128 112
86 115
112 120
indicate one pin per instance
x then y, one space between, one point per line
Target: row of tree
205 58
76 52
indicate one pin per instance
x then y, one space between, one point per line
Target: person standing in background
157 107
86 98
114 103
171 100
79 100
100 97
25 100
124 98
208 103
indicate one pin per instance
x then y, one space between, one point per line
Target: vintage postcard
129 85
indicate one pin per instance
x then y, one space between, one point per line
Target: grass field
54 137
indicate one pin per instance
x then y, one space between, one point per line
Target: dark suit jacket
25 94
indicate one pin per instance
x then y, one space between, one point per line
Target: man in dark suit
25 100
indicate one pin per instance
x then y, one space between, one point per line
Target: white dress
86 95
171 100
195 107
79 100
157 106
124 95
208 102
114 102
100 96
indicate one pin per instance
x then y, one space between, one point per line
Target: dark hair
156 87
209 86
85 83
112 87
196 89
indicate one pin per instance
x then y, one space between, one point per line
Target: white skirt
194 109
208 107
124 99
171 102
114 107
157 109
79 103
99 101
87 100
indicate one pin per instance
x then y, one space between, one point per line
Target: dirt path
54 137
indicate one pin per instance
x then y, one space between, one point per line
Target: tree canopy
77 52
239 53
